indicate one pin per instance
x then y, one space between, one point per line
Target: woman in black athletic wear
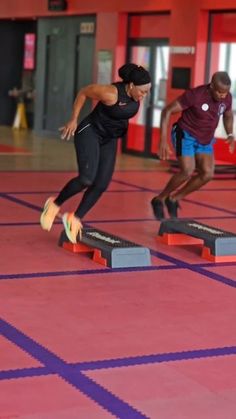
96 142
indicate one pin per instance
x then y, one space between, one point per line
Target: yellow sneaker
73 226
49 214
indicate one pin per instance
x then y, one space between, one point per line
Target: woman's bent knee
86 181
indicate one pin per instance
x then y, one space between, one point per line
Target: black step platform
108 249
219 242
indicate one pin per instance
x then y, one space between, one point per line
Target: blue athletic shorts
187 145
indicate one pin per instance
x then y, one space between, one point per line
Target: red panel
120 51
34 8
224 27
155 140
218 4
150 26
201 49
135 139
222 152
184 31
223 30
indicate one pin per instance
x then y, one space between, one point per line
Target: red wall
36 8
150 26
217 4
188 26
194 33
224 27
114 39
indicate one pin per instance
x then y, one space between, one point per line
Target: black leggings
96 163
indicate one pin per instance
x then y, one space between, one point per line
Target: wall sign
104 75
182 50
57 5
87 28
29 51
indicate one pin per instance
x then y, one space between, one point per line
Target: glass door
144 128
222 57
159 77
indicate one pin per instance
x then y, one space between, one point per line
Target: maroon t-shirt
201 113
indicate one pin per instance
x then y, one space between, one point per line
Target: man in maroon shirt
193 138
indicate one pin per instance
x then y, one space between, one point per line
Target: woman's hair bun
134 73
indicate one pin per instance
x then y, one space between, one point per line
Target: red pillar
111 36
189 28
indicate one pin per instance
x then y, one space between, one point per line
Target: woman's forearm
78 104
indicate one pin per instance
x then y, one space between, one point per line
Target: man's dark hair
221 77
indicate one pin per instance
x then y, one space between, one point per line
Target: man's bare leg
171 196
205 168
187 166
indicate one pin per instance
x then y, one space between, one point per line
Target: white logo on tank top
122 103
205 107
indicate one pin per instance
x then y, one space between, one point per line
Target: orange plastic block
83 248
77 248
179 239
97 257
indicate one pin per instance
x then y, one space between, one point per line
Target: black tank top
112 121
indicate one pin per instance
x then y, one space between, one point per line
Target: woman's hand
68 130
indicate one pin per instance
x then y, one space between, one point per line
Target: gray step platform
220 242
108 249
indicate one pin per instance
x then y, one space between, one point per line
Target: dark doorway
12 35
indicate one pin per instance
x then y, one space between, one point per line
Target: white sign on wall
104 75
87 27
182 50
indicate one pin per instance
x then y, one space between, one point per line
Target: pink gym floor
82 341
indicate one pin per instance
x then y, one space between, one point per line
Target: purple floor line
156 358
185 199
201 204
214 276
108 191
21 202
160 255
131 361
56 365
194 268
24 373
115 221
139 188
56 192
31 275
204 272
